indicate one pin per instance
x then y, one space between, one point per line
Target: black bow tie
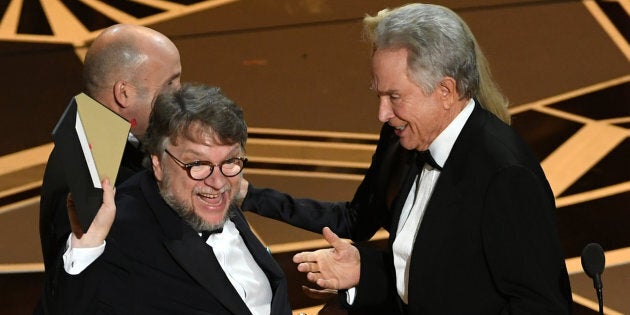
206 234
425 157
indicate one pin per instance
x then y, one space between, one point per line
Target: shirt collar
441 147
133 140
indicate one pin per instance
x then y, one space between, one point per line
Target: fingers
304 257
102 223
330 237
331 284
319 294
309 290
109 193
317 278
308 267
105 216
243 188
241 193
326 267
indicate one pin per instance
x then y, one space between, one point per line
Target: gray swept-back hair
439 44
192 110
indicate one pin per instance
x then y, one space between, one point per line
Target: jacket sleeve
308 214
521 243
358 219
93 290
376 291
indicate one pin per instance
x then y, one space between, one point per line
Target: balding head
127 66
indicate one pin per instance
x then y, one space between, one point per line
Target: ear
157 167
122 95
447 91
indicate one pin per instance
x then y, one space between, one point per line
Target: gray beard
187 213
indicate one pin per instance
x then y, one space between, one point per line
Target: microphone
593 263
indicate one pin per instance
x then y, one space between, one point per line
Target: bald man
125 68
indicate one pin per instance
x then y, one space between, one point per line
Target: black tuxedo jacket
487 243
54 226
155 263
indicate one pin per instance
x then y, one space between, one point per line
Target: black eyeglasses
200 170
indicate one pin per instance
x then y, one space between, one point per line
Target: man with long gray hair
470 214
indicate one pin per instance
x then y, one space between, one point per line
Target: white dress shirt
410 219
239 265
418 197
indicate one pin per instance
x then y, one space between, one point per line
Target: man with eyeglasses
178 243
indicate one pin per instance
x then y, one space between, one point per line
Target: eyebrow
386 92
374 88
173 77
236 152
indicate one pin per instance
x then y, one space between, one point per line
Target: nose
216 180
385 112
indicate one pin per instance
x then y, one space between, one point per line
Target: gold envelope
106 133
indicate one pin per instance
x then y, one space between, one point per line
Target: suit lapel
199 261
448 189
411 170
191 252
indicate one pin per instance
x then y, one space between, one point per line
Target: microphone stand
593 263
597 282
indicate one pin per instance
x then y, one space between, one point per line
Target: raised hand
334 268
102 223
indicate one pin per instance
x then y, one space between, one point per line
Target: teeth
401 127
211 196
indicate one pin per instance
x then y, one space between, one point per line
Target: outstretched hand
334 268
100 226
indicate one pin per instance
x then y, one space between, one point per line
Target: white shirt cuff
75 260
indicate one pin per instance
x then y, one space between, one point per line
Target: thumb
333 239
105 215
104 218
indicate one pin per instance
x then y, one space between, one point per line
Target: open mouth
211 199
399 128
